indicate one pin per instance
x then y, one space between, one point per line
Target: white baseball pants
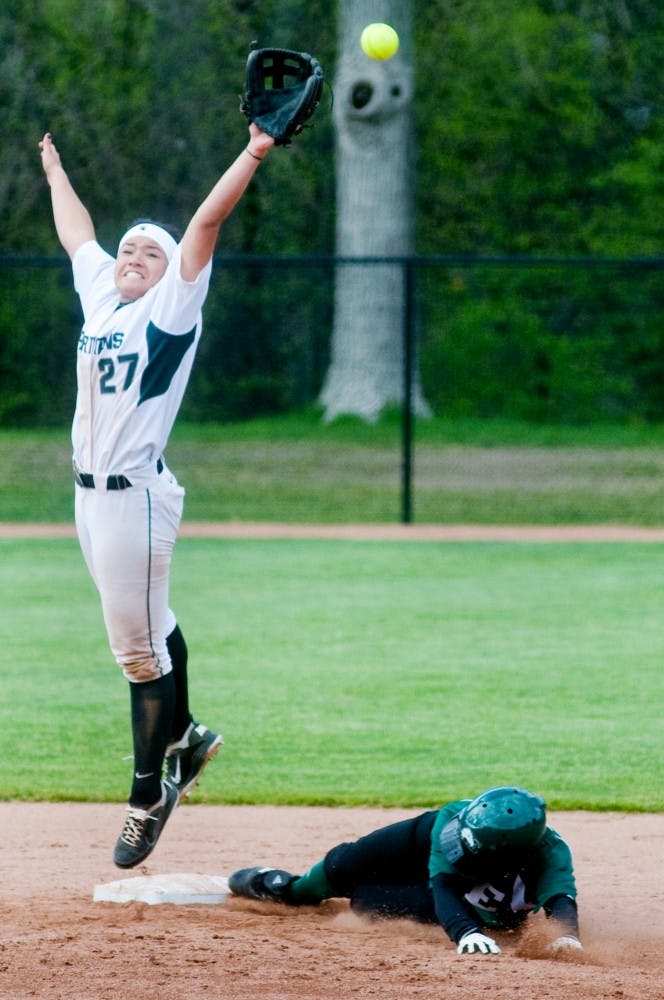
127 538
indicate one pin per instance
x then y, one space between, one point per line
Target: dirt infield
378 532
57 943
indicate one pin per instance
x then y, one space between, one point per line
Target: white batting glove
474 941
566 943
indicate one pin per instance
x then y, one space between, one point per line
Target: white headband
151 232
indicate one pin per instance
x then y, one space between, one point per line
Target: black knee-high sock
152 707
177 649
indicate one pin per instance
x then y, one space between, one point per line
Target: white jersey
134 362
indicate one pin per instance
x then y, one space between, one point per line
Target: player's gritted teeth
141 263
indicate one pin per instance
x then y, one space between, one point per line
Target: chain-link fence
565 341
542 341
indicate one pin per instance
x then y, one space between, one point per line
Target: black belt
87 480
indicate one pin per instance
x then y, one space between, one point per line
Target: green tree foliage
143 98
542 133
539 131
542 126
551 342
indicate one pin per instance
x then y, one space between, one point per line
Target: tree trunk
374 179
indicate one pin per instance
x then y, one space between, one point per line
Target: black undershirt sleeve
563 910
453 915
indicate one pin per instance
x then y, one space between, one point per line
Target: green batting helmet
500 819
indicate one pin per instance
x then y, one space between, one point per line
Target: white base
179 889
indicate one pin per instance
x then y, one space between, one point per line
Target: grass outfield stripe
351 674
297 469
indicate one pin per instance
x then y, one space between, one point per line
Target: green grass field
356 672
295 469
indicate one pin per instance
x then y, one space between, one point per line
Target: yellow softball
379 41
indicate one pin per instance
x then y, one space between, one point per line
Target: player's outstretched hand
474 941
567 942
49 154
259 142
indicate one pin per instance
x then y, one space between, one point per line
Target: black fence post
407 406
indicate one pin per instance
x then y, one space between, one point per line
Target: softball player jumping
142 324
475 864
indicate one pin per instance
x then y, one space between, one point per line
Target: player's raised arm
200 237
72 219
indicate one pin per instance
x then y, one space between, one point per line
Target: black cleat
143 827
261 883
186 759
